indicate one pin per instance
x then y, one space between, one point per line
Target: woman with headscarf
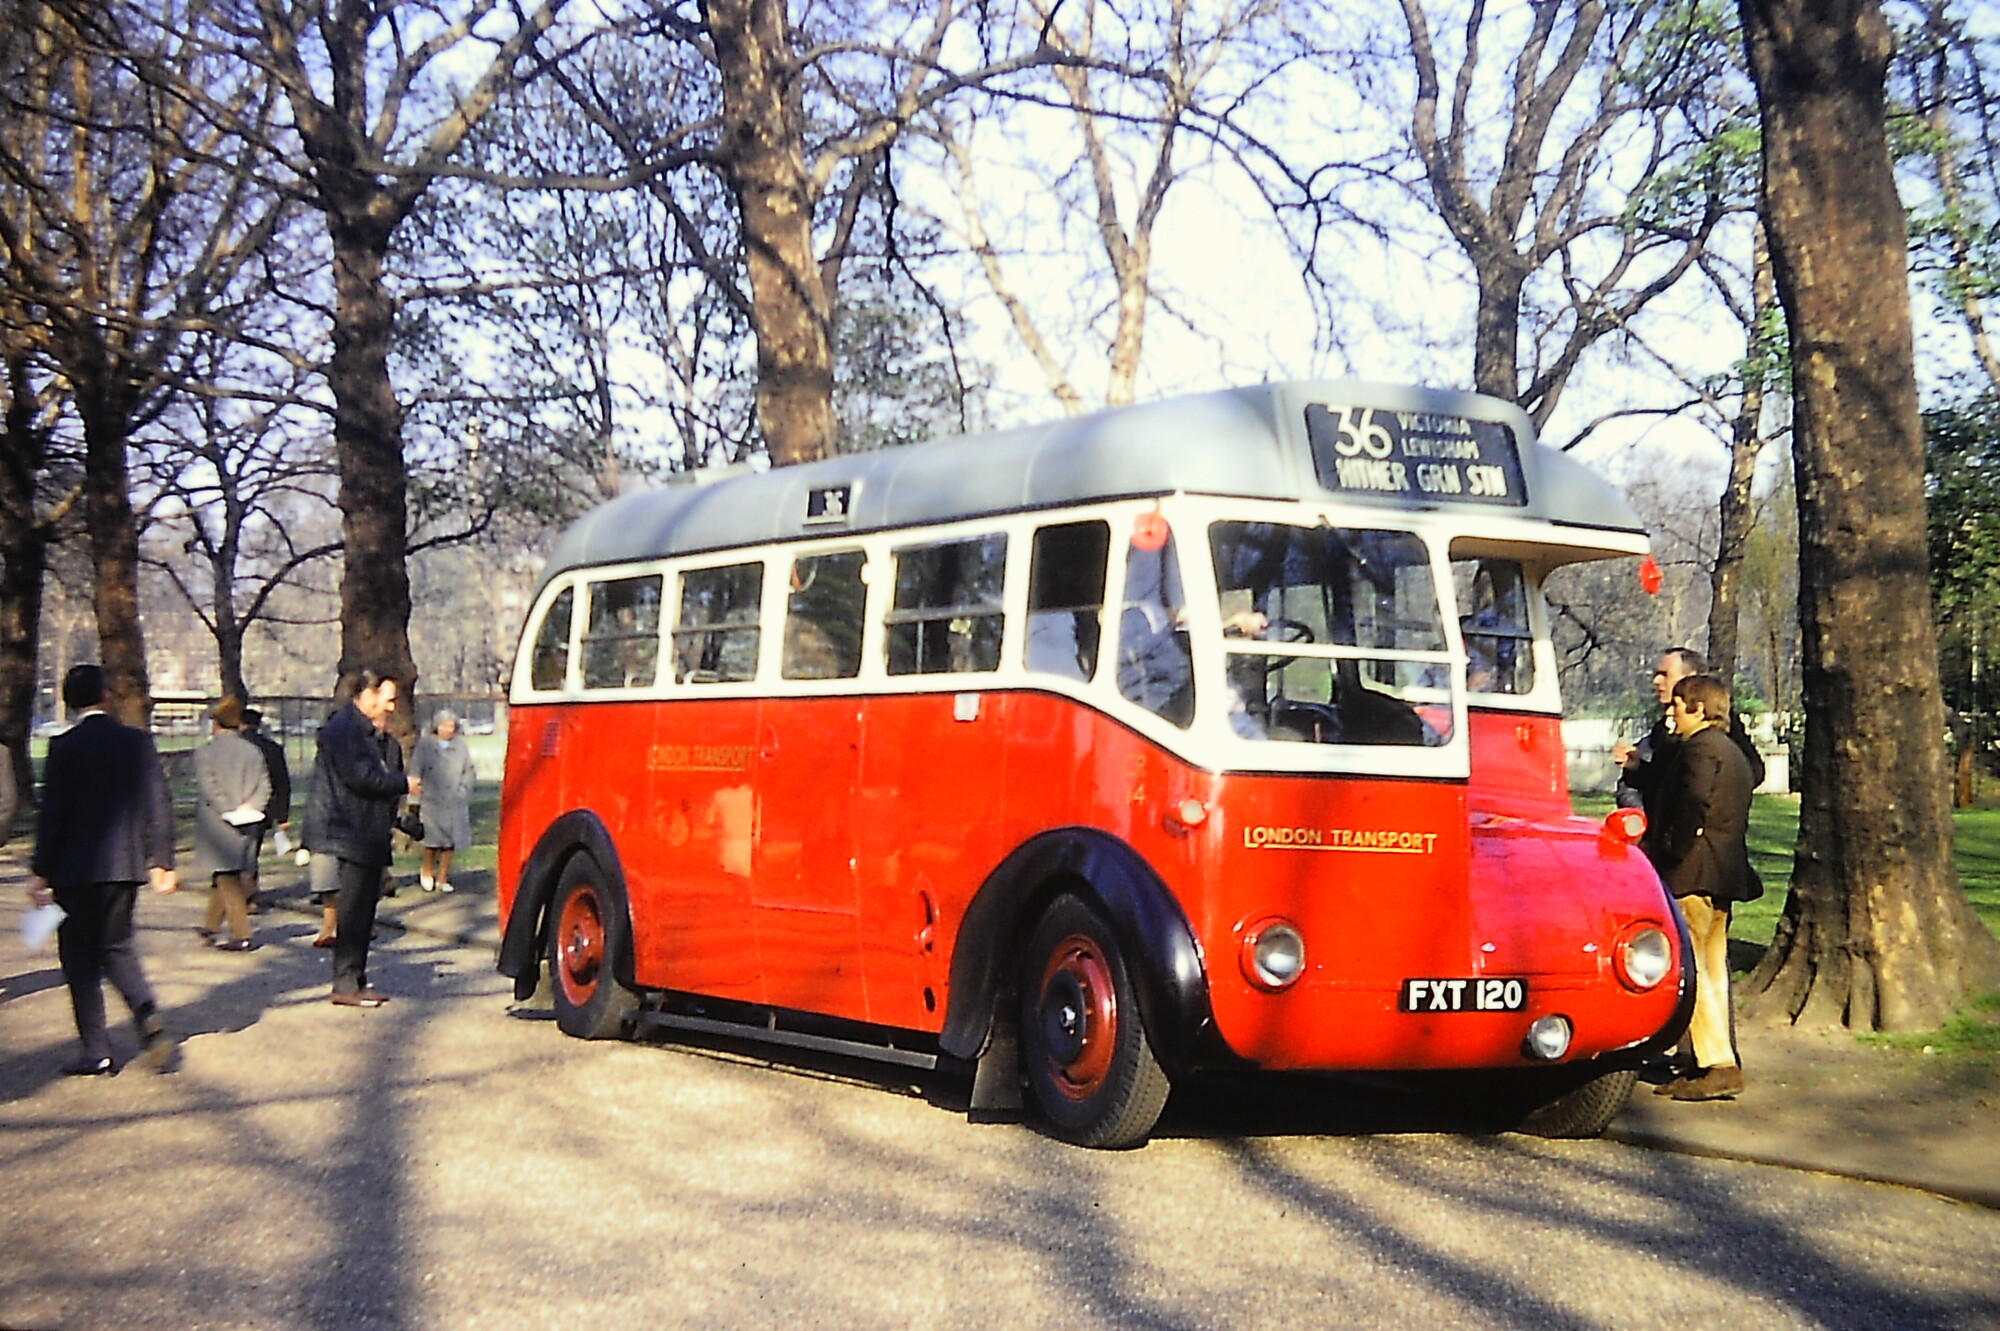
443 762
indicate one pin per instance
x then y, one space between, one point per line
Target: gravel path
451 1161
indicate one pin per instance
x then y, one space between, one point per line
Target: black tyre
587 927
1084 1050
1584 1110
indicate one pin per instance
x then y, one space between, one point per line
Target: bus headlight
1643 958
1274 955
1548 1038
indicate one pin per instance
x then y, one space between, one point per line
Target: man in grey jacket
106 824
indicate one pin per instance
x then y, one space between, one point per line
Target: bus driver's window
621 640
1493 617
1066 598
548 668
1155 663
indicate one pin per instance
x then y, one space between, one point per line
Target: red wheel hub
1078 1013
579 946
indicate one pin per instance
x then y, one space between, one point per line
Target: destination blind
1426 456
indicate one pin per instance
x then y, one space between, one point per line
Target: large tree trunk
1745 443
1876 933
114 553
1496 334
374 480
23 559
791 309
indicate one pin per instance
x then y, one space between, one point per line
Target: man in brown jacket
1695 832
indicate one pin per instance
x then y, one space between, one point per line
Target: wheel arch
525 939
1148 924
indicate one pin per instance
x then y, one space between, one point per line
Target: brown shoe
324 940
359 998
1667 1087
1722 1083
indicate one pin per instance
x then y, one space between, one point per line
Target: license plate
1489 994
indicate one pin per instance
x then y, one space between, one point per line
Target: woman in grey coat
234 788
443 762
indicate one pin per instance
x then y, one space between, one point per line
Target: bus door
808 764
694 849
933 768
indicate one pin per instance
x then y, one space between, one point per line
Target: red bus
1219 732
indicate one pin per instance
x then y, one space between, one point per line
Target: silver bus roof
1249 442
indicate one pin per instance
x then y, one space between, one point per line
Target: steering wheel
1287 630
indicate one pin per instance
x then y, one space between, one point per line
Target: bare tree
381 98
1540 169
237 480
127 232
1148 92
1876 933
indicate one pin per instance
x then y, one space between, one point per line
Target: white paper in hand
282 841
303 858
38 926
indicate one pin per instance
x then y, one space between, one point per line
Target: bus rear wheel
586 929
1089 1065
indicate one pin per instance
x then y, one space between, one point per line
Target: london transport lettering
1419 455
1339 838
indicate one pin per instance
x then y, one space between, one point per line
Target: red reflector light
1625 824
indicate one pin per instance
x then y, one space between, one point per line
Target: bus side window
824 617
548 666
621 640
1155 663
946 616
1066 598
1493 617
716 640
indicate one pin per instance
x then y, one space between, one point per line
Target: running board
825 1044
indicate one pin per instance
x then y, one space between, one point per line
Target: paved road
447 1162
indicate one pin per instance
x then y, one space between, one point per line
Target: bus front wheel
1582 1111
1089 1065
586 927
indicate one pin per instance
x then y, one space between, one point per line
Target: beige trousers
227 897
1712 1032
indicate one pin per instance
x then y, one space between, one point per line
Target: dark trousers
94 944
360 890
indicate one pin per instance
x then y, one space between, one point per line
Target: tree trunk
114 553
762 157
1746 441
23 559
374 480
1876 933
1496 336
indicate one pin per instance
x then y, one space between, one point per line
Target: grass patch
1972 1035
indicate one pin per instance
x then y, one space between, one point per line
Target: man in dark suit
1697 818
359 793
1640 764
106 824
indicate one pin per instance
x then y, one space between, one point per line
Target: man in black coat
1640 764
106 824
278 813
1697 818
356 794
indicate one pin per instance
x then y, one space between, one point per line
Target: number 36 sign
1414 455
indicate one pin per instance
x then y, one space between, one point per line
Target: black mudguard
1150 929
525 939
